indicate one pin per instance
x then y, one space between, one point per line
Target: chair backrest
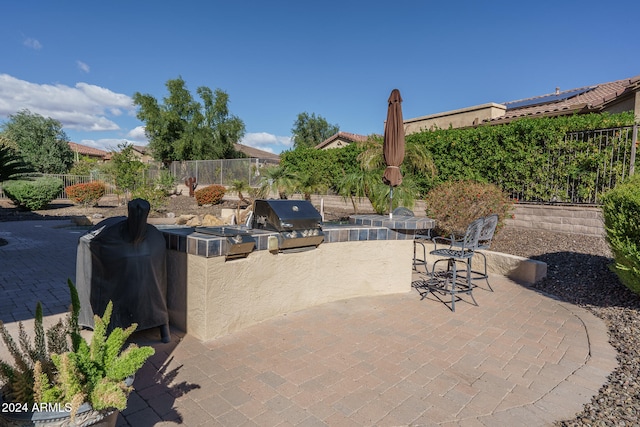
472 235
402 211
488 230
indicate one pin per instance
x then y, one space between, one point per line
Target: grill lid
296 221
285 215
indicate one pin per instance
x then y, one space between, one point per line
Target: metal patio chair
422 238
484 243
454 281
420 241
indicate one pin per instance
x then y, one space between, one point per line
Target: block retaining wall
586 220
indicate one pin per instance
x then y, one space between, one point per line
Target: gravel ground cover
578 272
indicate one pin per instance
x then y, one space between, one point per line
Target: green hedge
621 210
33 194
528 154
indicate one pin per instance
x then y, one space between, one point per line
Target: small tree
184 129
40 141
311 130
126 170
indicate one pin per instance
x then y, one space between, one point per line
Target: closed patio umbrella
393 146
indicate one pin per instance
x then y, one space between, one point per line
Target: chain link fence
221 172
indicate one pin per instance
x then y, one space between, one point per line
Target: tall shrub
454 205
621 210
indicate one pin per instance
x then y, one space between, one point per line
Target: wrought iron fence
68 179
582 167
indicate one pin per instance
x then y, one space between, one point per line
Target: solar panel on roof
546 99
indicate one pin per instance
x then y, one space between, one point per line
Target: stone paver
519 358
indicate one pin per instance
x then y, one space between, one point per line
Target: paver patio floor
519 358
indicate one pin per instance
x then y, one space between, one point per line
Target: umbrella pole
390 202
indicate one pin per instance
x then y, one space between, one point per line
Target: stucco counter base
211 297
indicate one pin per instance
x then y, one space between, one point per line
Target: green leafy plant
621 210
238 186
33 194
68 369
454 205
157 197
210 195
166 182
86 194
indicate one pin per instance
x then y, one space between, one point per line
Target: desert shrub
86 194
33 194
209 195
166 181
621 210
455 204
156 197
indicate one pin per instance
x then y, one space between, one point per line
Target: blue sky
80 62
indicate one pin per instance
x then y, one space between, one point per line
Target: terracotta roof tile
87 151
351 137
594 98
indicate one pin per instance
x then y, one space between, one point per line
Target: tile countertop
189 240
396 223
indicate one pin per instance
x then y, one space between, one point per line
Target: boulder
211 220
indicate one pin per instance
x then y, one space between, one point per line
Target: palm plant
352 186
367 181
12 166
238 186
309 183
278 180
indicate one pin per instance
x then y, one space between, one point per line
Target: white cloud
32 43
267 142
84 107
137 134
82 66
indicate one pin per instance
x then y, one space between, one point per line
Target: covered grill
297 223
238 244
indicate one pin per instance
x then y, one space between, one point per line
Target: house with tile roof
613 97
340 139
80 151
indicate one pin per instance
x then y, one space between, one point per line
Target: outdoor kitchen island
211 294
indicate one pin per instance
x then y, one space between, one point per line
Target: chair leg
450 283
482 274
420 261
469 282
454 277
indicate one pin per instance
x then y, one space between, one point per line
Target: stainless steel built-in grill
239 242
297 222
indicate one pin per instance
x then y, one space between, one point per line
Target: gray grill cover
124 260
